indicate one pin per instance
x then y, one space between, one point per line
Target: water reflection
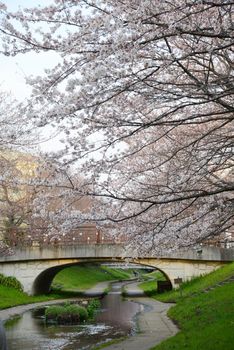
114 320
118 312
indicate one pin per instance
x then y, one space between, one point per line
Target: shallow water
115 319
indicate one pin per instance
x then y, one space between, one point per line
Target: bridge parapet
203 253
36 267
82 251
113 251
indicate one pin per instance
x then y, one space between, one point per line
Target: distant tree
16 196
17 136
144 94
15 133
37 203
59 206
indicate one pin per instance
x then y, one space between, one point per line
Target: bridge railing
73 241
62 242
114 250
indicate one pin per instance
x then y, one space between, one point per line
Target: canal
116 319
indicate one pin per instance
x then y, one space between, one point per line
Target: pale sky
14 69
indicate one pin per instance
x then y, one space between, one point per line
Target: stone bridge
36 267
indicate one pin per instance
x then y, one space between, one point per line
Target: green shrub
52 312
83 313
68 313
10 281
74 309
92 307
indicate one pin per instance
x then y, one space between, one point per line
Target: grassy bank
82 277
205 316
198 284
11 297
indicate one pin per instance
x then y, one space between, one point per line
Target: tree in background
60 207
36 202
143 93
16 196
14 202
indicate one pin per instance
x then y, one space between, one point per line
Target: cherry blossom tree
143 93
14 203
11 136
57 208
36 201
16 134
15 129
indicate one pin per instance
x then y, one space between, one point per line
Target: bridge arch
42 282
162 285
35 267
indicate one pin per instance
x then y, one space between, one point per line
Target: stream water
115 319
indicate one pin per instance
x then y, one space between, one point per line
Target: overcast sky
15 69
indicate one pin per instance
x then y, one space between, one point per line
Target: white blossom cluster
144 96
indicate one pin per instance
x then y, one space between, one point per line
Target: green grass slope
11 297
82 277
198 284
204 313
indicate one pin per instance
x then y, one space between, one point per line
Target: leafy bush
68 313
10 281
93 305
82 313
52 312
